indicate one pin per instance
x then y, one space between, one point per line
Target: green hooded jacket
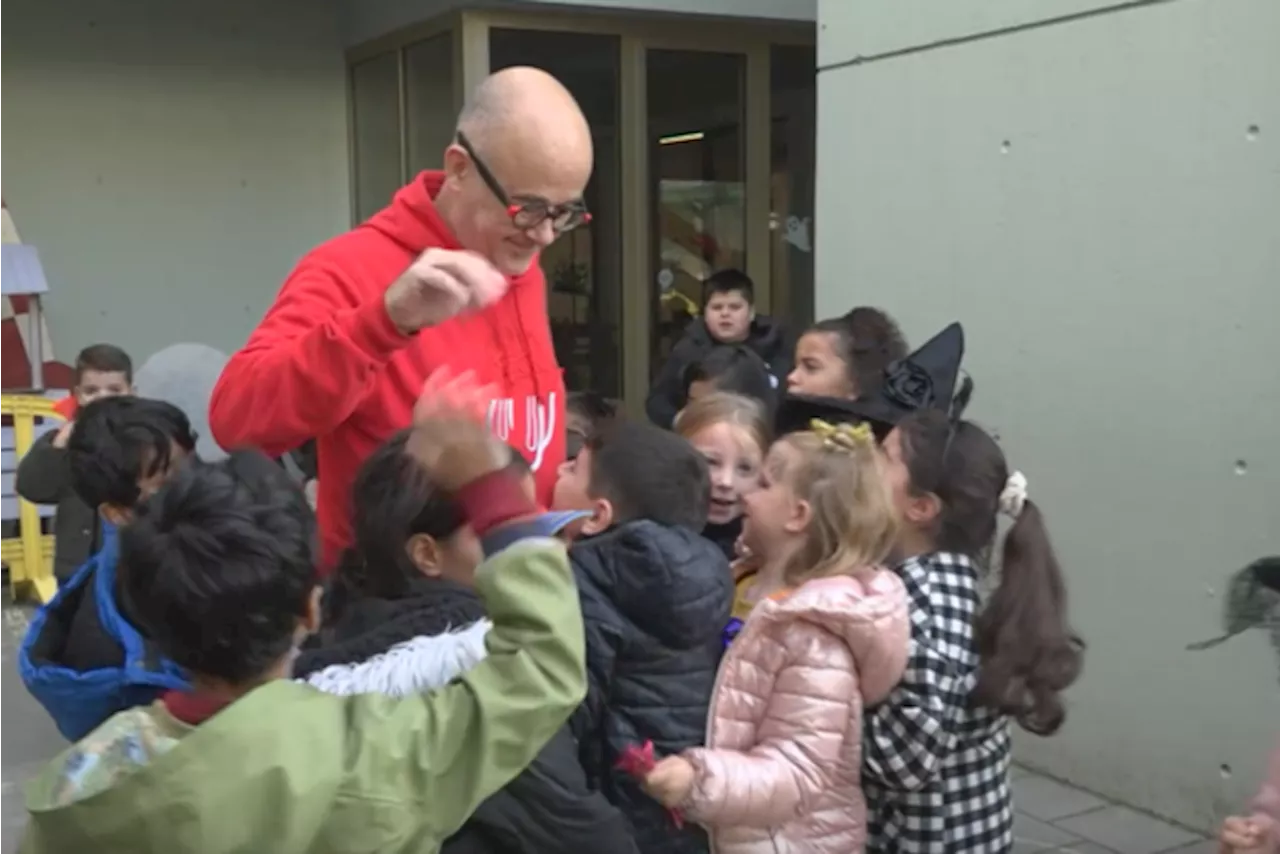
287 769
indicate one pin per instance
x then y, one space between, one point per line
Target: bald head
527 147
527 110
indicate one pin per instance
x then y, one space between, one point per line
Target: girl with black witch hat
937 751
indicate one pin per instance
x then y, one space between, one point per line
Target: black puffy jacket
548 808
766 338
655 600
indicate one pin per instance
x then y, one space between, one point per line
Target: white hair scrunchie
1014 496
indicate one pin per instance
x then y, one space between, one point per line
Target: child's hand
449 435
63 435
1245 835
670 781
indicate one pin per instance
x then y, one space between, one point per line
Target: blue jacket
84 613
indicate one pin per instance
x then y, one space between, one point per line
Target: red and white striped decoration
16 362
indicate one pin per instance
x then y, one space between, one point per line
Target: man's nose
544 233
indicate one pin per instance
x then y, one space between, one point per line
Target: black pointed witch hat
925 379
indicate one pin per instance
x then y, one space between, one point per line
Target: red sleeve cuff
374 333
493 500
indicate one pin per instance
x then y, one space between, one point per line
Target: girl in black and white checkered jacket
936 753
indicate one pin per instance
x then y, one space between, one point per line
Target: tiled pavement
1052 817
27 737
1056 817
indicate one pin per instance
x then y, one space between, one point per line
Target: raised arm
456 746
315 355
323 344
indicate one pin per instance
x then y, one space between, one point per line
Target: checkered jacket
936 768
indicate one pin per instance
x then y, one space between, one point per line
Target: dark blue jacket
83 660
655 601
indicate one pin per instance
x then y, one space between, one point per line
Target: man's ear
424 554
115 514
456 162
602 517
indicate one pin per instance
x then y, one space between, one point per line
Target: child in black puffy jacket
655 598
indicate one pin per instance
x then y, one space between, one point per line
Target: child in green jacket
219 568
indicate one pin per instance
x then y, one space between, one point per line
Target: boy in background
43 476
222 574
83 657
655 598
728 317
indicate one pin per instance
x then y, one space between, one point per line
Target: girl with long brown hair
936 766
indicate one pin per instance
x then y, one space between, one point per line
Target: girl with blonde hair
781 769
731 432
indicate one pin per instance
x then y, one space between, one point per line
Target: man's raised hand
441 284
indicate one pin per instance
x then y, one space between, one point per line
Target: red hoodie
326 361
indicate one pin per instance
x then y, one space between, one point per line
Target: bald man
446 276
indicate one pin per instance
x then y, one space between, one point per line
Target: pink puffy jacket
781 772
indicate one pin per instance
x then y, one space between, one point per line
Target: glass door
375 118
584 267
793 97
697 182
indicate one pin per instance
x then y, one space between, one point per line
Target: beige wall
1088 197
171 161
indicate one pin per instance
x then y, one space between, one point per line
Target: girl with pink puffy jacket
780 771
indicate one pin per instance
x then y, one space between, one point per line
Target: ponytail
1029 653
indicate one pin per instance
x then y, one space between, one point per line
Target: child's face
573 492
917 512
95 384
733 460
573 483
819 370
895 469
775 515
576 422
728 316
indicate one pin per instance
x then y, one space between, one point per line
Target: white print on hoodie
539 424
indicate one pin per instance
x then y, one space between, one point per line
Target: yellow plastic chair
29 556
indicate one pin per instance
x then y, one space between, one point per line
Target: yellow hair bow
843 437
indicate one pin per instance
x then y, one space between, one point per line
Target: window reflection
695 114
